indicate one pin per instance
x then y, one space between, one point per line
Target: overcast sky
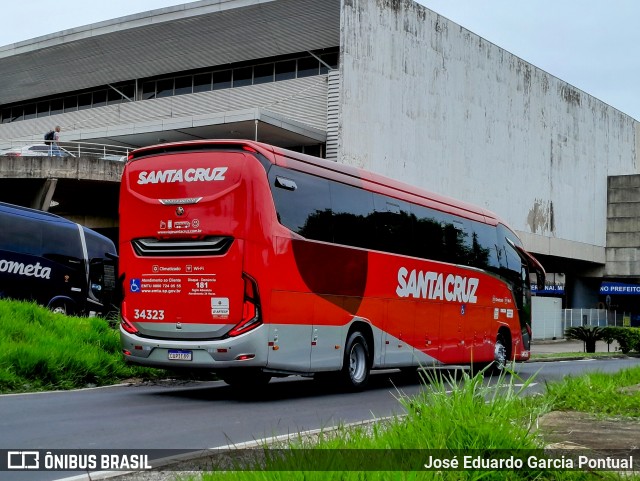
591 44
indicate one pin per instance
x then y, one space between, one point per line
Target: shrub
588 334
628 338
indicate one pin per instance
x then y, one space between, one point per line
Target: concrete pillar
42 200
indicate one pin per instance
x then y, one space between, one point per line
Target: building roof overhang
183 37
253 124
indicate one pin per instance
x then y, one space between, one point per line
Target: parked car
114 157
35 150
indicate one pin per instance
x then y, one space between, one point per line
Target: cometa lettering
29 270
200 174
436 286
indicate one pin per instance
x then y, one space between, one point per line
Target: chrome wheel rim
357 363
500 354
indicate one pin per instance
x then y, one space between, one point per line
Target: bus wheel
355 370
59 307
500 355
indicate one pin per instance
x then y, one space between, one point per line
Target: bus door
101 294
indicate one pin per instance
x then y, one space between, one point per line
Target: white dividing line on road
204 453
589 359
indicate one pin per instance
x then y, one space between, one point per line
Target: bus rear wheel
356 366
61 307
500 355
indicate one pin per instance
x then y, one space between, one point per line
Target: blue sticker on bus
134 285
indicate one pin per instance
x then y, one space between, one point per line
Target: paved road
204 415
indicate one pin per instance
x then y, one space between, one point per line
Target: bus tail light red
128 327
250 308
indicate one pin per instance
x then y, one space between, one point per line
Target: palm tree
588 334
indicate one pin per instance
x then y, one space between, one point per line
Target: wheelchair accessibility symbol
134 285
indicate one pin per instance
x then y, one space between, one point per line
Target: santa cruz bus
253 262
55 262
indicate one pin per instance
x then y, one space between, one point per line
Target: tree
588 334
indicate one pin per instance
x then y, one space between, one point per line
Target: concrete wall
428 102
623 227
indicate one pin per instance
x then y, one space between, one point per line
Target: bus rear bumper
249 349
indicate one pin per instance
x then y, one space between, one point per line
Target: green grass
455 417
598 393
40 350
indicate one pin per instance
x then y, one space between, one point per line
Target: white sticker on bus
435 286
220 307
200 174
29 270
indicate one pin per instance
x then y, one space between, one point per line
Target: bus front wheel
356 366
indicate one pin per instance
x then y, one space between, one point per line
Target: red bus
253 261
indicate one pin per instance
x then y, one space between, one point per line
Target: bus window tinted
307 209
352 215
19 236
393 225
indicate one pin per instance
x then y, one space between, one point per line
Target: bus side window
393 225
23 236
429 233
306 209
64 241
352 215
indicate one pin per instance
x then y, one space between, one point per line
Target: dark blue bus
55 262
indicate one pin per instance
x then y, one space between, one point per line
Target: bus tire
500 355
356 366
60 307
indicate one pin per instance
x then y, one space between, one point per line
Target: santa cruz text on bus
434 286
200 174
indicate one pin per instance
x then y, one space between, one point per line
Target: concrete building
387 85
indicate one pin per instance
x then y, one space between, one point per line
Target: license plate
179 355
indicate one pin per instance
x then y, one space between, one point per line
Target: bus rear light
250 308
251 321
249 149
126 352
128 327
245 357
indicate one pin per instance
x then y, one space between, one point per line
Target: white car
37 150
114 157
